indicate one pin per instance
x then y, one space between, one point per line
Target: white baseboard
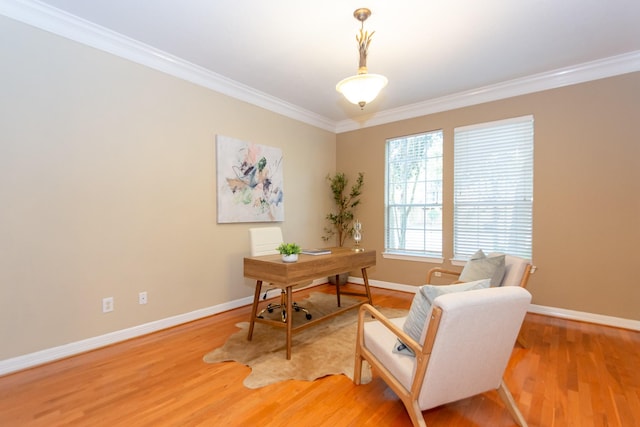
386 285
41 357
30 360
55 353
600 319
562 313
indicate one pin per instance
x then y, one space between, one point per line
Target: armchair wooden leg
521 340
415 414
357 369
357 366
511 405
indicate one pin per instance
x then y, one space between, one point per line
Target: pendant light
363 87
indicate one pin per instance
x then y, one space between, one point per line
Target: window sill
416 258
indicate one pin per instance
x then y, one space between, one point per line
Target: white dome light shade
361 88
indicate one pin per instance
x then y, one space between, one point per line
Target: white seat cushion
380 341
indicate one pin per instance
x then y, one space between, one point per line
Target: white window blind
493 188
413 195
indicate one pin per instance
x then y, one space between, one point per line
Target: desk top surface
271 268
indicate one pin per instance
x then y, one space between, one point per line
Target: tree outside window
413 199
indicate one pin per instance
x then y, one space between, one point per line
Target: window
493 187
413 195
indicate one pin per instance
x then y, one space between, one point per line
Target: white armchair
464 349
517 272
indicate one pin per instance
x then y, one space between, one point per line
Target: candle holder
357 236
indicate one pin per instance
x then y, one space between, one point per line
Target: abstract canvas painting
249 181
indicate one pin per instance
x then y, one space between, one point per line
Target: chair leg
415 414
306 312
521 340
511 405
357 368
283 308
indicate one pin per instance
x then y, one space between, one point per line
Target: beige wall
586 191
107 188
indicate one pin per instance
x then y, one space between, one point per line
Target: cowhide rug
327 348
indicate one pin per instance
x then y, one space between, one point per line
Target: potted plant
289 251
341 220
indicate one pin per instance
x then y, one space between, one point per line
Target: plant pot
342 279
289 258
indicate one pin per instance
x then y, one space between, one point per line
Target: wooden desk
271 268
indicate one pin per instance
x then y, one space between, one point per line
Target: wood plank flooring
572 374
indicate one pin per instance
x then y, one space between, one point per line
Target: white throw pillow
482 267
416 322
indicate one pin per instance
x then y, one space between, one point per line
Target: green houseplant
289 251
345 203
341 220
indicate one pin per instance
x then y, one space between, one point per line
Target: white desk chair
265 241
464 349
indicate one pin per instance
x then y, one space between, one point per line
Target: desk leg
289 320
254 309
365 278
338 288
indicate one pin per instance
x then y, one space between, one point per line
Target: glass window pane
413 198
493 187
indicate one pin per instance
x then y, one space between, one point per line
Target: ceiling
294 52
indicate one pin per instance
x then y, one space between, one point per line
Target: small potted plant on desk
289 252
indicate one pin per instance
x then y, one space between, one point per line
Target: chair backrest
265 240
473 343
516 269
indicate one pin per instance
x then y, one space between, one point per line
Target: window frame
509 205
428 181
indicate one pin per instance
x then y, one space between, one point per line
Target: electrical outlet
142 298
107 304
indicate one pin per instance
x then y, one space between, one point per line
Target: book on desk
316 251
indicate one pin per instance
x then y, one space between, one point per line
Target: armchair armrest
441 270
422 352
393 328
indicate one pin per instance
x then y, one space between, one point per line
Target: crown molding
56 21
599 69
45 17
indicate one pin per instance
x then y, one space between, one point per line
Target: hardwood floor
572 374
